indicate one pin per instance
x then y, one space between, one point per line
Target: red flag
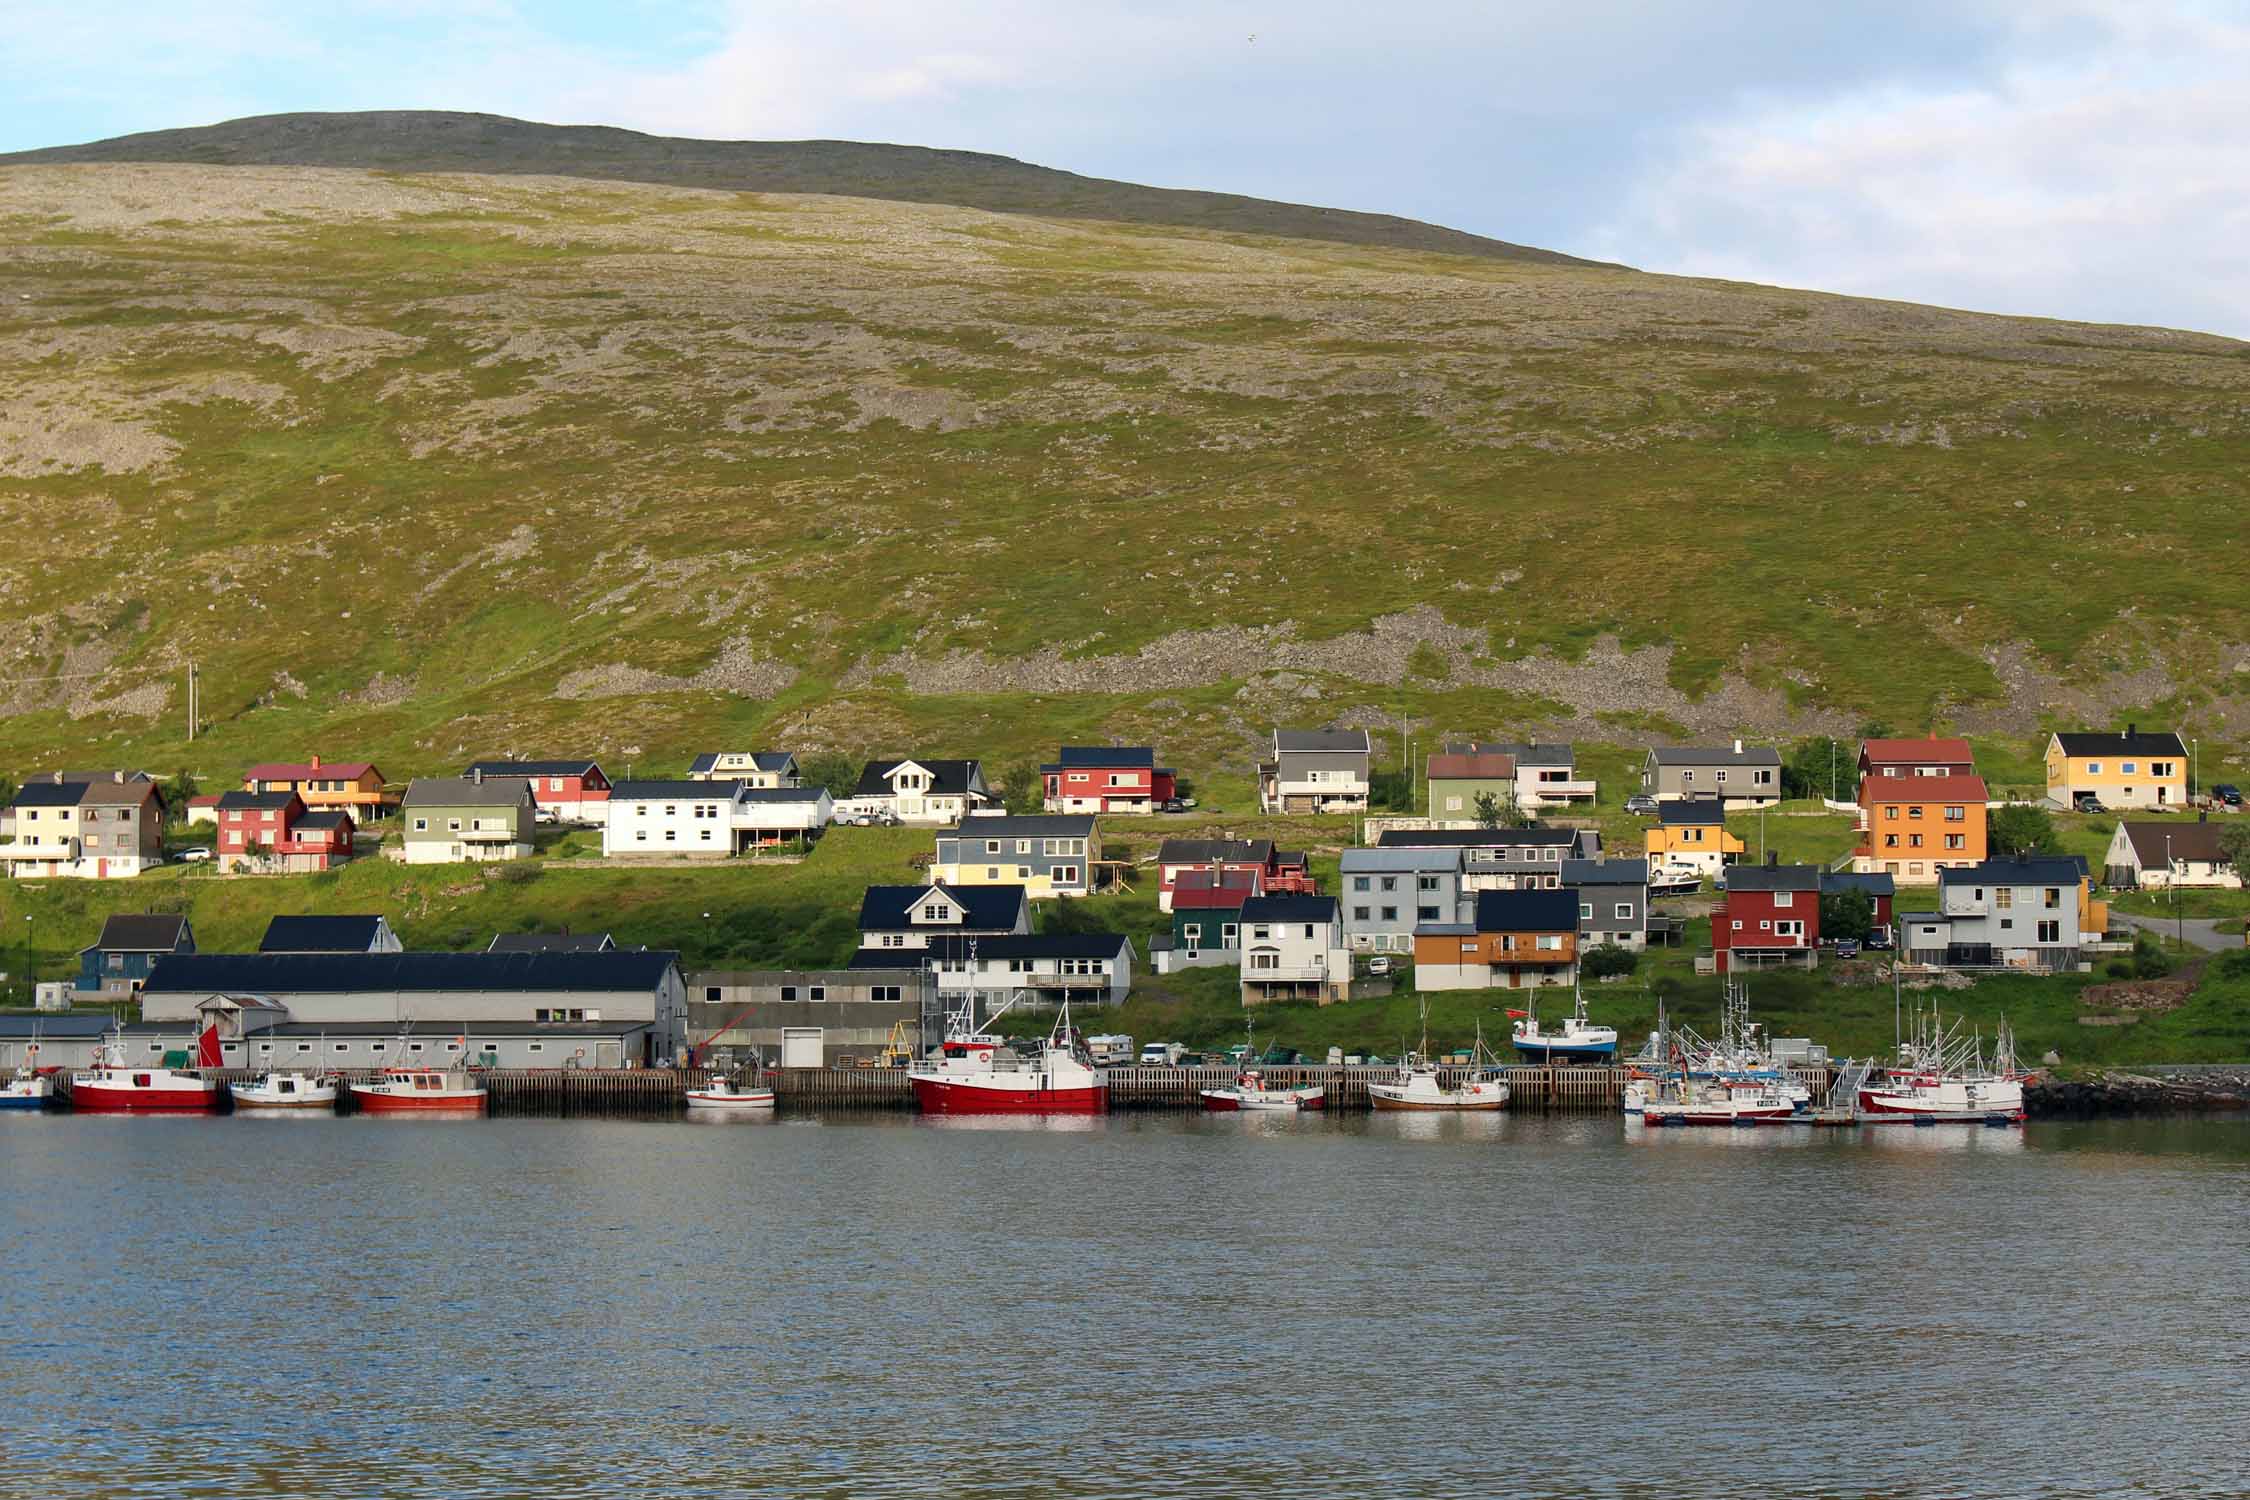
1521 1015
207 1046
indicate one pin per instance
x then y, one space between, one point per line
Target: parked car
2087 802
1640 802
1175 804
1379 964
1878 939
1162 1054
543 815
2228 793
1847 947
195 856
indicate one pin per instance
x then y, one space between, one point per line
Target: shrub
516 872
2119 968
2150 961
2235 965
1607 959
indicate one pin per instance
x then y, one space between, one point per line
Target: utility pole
2172 874
1832 768
192 705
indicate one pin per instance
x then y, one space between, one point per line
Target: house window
640 835
1784 898
1390 914
2003 897
1229 934
1360 913
885 994
1361 883
2125 768
1956 841
1427 883
1426 913
671 835
1063 875
2050 932
1794 930
421 825
1390 882
535 1046
706 835
2093 768
1624 911
1192 931
1914 841
817 992
2054 897
304 1046
1260 933
788 993
1956 814
1722 778
710 994
554 783
1549 942
1687 778
413 1046
1585 911
1453 804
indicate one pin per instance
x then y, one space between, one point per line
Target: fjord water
1130 1306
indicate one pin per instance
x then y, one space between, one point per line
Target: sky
2078 159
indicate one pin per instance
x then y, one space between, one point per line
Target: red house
1108 778
1223 861
273 831
1769 916
1924 757
572 791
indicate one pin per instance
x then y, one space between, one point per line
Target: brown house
1520 939
352 786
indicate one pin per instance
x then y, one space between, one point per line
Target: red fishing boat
114 1086
977 1073
420 1091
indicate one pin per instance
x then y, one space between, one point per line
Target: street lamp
30 972
2172 874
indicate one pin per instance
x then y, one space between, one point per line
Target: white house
1086 968
710 819
1315 771
1293 948
753 768
2152 855
931 793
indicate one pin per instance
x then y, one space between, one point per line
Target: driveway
2200 932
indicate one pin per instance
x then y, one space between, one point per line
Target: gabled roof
337 818
2053 869
1875 884
1532 910
530 767
418 973
1923 789
1538 836
1214 897
50 794
772 761
1411 858
551 942
948 778
1217 878
1724 755
1214 851
467 791
1289 906
120 794
1688 811
285 770
1104 757
1605 872
983 908
1773 878
256 801
1029 826
2196 843
1930 751
770 795
1321 742
1524 754
1483 765
2128 741
142 934
353 934
676 791
1001 946
82 777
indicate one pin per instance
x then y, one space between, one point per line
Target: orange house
1911 827
352 786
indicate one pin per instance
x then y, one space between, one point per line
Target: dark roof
550 942
948 778
988 908
1531 910
1088 757
435 1032
1005 945
2194 842
1773 877
1320 741
1289 906
517 768
88 776
30 1026
1031 826
1724 755
352 934
2056 869
680 790
142 934
1605 872
49 794
2124 742
772 793
1214 851
1675 811
1538 836
256 801
1875 884
337 818
466 791
425 973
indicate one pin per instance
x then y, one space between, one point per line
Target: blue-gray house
118 963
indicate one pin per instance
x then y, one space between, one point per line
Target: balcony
492 836
1574 789
1287 974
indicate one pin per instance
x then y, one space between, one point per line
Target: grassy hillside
422 468
451 141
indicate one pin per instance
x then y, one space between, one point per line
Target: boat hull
1380 1099
949 1096
413 1104
255 1104
1567 1052
23 1101
1226 1100
125 1099
1677 1114
738 1103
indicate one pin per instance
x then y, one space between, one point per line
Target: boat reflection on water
1439 1125
1769 1135
1053 1124
1989 1140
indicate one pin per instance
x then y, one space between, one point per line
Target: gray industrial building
736 1012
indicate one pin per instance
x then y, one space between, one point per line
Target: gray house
1387 892
1746 776
1504 859
1315 771
455 819
1612 901
2001 914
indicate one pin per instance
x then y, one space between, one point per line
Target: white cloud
2105 188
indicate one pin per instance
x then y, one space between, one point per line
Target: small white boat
1687 1102
27 1090
722 1094
1251 1091
1421 1083
1579 1041
286 1090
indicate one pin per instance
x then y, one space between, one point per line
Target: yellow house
1691 833
2118 769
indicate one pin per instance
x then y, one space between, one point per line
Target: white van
1161 1054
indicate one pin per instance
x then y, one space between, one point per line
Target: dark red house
1769 916
1107 778
273 831
570 791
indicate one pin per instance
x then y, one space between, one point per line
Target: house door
101 869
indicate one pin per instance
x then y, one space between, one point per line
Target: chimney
2129 728
476 775
58 778
118 777
1773 859
1738 747
316 762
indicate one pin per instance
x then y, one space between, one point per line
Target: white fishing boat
1942 1078
286 1090
1687 1101
26 1090
723 1096
1422 1085
1250 1091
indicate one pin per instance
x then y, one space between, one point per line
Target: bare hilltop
416 461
